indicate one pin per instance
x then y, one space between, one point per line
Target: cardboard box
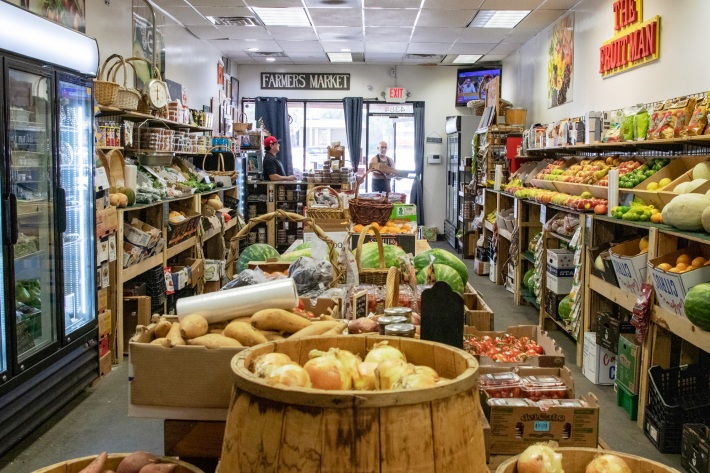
136 311
102 299
429 233
142 234
513 429
406 241
486 432
323 305
106 221
608 329
553 357
629 265
599 364
560 272
477 314
607 273
481 268
104 323
628 363
560 258
133 288
197 266
406 212
270 265
552 303
214 269
105 364
558 284
695 448
671 288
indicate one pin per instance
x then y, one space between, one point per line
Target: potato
113 199
158 468
162 328
213 340
193 326
96 466
316 328
244 334
164 342
278 320
272 336
174 335
122 200
135 461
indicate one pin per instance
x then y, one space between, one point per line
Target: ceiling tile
167 4
378 33
385 47
420 60
308 58
541 18
336 16
245 32
390 17
435 35
452 4
521 35
206 32
383 58
427 48
483 35
505 48
471 48
215 3
274 3
262 46
224 11
445 18
391 3
559 4
492 58
293 33
511 4
339 33
333 3
301 46
337 46
188 16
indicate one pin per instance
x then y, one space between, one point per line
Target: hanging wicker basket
127 98
320 213
241 125
105 90
366 211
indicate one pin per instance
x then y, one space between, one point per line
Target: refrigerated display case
459 137
48 350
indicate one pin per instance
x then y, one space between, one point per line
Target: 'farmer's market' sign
305 81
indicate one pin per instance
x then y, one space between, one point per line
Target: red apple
600 209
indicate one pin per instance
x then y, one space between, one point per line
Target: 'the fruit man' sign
634 44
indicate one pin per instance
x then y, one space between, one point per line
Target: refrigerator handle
10 215
61 202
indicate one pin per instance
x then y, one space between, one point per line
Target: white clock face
158 95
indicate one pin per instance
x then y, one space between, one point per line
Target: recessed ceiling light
467 58
340 57
282 16
345 50
270 59
252 49
498 18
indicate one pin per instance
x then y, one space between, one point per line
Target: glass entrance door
393 124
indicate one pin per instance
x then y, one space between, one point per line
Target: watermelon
293 255
529 279
564 310
697 305
370 257
302 246
443 273
255 252
442 257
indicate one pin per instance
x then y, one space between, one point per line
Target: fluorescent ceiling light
340 57
498 18
345 50
282 16
252 49
467 58
270 59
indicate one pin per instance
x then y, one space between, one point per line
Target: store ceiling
373 31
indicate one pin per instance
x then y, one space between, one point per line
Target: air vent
429 57
235 20
266 54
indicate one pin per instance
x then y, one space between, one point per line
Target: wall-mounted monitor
470 82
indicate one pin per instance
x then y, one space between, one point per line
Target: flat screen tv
470 82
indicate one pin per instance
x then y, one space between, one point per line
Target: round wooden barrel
112 462
575 460
271 428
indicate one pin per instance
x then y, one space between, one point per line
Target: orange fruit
681 267
665 266
656 218
376 225
698 262
674 270
358 228
684 258
707 264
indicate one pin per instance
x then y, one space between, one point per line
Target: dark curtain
274 112
417 192
352 107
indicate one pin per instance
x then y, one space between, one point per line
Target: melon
305 244
681 188
564 310
295 254
702 170
441 256
705 219
129 193
599 263
684 212
529 279
697 305
370 258
443 273
694 184
255 252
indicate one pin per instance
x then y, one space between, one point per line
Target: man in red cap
273 169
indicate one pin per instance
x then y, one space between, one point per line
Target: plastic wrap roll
243 301
130 174
613 190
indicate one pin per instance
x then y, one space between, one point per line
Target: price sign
543 214
359 305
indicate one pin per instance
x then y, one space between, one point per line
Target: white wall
435 86
683 67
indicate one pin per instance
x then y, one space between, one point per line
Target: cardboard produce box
136 311
477 314
599 364
628 363
671 288
629 265
609 327
553 357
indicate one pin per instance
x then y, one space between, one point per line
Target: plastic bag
627 124
309 274
698 120
641 122
248 277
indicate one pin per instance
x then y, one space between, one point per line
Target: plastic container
548 403
628 401
514 402
543 387
500 385
679 394
665 436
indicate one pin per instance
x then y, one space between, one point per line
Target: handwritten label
359 305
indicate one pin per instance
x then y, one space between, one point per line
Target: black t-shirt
272 166
387 161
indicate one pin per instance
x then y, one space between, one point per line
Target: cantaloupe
702 170
685 211
705 217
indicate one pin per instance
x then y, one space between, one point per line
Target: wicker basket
479 106
112 462
366 211
220 171
106 90
127 98
324 213
376 276
115 166
241 126
282 215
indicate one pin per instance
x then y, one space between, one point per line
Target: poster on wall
70 13
143 44
560 62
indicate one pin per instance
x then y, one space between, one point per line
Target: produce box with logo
671 288
628 363
629 265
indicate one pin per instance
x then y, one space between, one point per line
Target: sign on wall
396 95
305 81
70 13
560 62
635 42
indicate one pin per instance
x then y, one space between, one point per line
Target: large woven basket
240 126
233 254
324 212
105 90
376 276
221 170
366 211
127 98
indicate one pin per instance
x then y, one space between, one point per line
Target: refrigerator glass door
31 175
3 334
75 168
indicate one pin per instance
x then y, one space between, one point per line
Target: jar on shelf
281 193
289 194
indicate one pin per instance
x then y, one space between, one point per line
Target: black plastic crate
695 448
677 395
665 436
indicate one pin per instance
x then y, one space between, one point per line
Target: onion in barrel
540 458
608 463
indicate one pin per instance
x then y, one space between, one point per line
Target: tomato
301 305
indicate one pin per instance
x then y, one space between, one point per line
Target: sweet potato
162 328
316 328
159 468
279 320
338 329
244 334
163 342
174 335
193 326
135 461
213 340
96 466
272 336
143 335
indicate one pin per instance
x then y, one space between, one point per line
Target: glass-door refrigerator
48 329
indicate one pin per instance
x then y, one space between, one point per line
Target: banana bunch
491 217
517 182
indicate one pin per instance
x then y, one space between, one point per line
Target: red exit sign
396 94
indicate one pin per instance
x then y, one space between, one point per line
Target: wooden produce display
114 459
271 428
